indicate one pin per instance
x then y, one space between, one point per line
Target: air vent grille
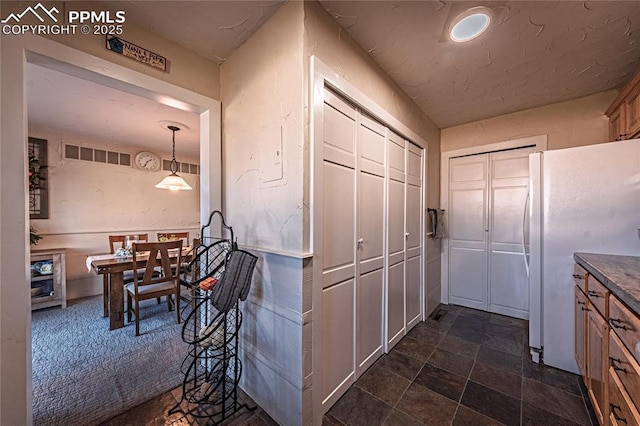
192 169
75 152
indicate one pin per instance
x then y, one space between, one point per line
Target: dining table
114 266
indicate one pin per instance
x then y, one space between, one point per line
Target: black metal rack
211 368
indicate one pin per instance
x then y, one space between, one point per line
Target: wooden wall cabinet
624 112
48 278
607 333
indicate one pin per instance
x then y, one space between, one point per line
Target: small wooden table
115 267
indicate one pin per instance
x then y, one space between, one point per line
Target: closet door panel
396 221
369 319
339 225
396 158
413 289
338 336
395 302
414 165
370 243
413 218
339 131
371 223
372 146
468 197
413 301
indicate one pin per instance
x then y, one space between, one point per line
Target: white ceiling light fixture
173 181
470 24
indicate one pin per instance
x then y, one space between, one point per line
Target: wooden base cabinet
607 350
48 278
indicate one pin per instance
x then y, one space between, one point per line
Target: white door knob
360 241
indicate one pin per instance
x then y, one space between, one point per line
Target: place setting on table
118 269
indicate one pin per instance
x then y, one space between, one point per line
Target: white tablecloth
102 257
113 256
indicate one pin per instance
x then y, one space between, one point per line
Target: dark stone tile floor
470 368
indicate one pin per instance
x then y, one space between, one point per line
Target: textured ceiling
214 29
534 53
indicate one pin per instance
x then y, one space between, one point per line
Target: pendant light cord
174 164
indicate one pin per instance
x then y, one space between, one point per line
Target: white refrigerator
584 199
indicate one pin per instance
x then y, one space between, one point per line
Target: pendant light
173 181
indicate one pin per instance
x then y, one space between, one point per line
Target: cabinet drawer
621 410
625 367
626 325
598 295
580 277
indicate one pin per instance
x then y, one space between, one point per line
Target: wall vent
192 169
75 152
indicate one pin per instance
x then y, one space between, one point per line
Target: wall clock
147 161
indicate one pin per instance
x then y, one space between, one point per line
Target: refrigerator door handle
524 247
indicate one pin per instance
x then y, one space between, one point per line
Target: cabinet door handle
581 303
584 309
613 408
617 323
593 293
614 364
578 277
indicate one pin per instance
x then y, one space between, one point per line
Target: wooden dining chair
116 242
150 285
172 236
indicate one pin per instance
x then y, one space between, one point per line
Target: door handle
614 364
524 221
613 408
616 323
578 277
360 241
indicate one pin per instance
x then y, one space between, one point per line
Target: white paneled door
413 301
371 242
487 197
396 240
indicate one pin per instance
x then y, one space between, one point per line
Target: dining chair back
119 241
172 236
150 285
116 242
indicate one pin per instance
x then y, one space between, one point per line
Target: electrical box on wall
271 156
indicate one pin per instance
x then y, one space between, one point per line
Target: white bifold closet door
353 245
487 197
396 240
404 240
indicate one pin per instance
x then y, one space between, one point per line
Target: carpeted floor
84 374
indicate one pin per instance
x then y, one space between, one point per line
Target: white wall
90 201
263 111
567 124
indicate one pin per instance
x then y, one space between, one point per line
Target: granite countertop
620 274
